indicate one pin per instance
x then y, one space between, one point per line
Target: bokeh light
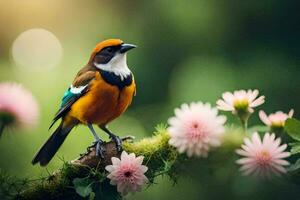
37 48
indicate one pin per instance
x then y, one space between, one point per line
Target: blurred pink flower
127 173
18 107
196 128
263 157
275 120
240 100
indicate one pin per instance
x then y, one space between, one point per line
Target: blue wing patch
71 93
69 97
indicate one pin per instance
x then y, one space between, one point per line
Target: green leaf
294 172
295 148
295 167
292 127
83 186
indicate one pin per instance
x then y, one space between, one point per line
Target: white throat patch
117 65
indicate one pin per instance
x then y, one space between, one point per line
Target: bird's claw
118 142
99 149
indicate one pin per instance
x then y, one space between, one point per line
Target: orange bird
101 91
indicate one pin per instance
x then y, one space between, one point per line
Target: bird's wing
79 87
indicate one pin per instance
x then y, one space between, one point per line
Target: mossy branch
158 156
85 177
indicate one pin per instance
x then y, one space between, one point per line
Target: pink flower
196 128
275 120
240 100
127 173
263 157
17 106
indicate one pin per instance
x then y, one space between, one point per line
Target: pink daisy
196 128
127 173
18 107
275 120
263 157
240 100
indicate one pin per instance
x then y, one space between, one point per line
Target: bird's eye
109 49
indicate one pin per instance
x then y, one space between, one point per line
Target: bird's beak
126 47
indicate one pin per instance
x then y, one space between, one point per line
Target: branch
159 157
90 159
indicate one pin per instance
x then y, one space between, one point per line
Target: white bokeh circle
37 48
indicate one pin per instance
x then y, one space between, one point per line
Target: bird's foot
117 140
99 148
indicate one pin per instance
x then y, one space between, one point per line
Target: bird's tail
51 146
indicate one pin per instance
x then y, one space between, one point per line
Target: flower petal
264 118
260 100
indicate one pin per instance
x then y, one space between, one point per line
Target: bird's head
110 55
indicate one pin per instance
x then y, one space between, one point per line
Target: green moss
159 156
57 186
149 146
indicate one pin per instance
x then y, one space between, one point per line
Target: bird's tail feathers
51 146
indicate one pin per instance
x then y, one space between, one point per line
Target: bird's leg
114 137
98 142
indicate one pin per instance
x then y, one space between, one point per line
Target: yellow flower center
277 124
241 104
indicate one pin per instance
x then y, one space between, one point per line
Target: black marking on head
116 80
106 54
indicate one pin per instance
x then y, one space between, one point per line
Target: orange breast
102 103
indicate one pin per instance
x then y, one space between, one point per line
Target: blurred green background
188 51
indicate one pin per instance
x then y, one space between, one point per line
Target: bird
100 92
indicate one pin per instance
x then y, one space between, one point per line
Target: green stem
2 126
245 126
244 117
